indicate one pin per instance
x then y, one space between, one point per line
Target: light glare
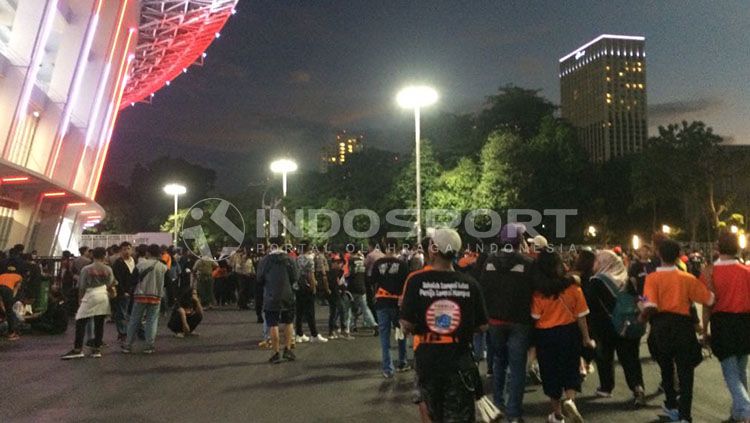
416 96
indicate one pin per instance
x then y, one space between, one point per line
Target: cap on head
540 242
446 241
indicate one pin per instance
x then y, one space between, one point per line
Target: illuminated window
341 144
607 68
620 73
609 95
351 149
609 101
609 79
640 86
627 85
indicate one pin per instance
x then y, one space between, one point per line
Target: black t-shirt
444 304
388 277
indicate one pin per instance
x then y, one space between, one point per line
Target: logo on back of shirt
443 317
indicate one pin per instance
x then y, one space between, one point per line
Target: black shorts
274 318
449 396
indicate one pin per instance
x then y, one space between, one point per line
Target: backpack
625 314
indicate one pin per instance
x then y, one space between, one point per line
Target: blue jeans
345 313
367 318
151 311
734 369
387 319
510 343
120 314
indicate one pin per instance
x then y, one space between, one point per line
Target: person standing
443 309
126 277
559 311
357 287
507 285
611 279
729 319
305 290
147 295
388 277
95 280
668 296
277 272
204 281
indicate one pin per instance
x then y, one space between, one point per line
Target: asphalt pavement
222 376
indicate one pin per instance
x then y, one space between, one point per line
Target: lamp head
283 166
175 189
416 97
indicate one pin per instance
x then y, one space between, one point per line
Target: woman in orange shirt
559 310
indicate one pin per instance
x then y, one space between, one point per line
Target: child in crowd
559 310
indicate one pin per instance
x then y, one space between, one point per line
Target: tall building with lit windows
603 94
67 67
346 144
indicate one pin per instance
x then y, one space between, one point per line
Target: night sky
285 76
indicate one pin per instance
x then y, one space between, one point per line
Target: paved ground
222 376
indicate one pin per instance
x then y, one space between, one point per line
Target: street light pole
174 239
418 178
283 166
415 98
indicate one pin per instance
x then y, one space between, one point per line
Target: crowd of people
535 313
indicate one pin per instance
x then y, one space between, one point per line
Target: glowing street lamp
283 166
636 242
742 238
176 190
666 229
417 97
591 231
734 229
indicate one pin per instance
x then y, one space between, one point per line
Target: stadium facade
67 67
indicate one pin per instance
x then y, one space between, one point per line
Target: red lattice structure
172 35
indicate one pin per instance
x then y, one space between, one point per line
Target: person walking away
443 322
202 272
305 289
276 273
388 276
186 314
608 283
559 310
335 307
147 296
358 289
729 325
94 283
508 288
126 277
668 295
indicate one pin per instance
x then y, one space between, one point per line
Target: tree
516 109
404 190
497 189
455 188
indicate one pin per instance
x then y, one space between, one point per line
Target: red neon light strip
54 194
76 204
89 211
16 179
102 83
122 80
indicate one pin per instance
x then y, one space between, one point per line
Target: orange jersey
673 291
566 308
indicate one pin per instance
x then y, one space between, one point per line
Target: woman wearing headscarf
609 280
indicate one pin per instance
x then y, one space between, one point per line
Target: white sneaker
570 411
301 339
553 419
319 338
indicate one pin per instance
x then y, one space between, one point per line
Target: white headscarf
610 264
